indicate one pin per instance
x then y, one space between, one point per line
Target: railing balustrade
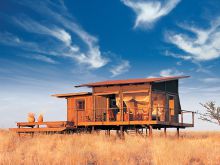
129 114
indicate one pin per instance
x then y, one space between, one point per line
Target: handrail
187 111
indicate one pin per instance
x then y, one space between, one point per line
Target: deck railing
183 112
130 114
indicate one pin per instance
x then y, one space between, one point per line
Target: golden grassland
191 148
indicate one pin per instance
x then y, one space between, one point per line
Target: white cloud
204 46
148 12
170 72
211 80
122 67
41 58
35 27
89 53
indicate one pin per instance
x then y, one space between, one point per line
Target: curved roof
131 81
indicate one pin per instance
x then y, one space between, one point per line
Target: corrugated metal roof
72 94
132 81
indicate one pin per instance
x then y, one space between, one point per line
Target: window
171 105
80 104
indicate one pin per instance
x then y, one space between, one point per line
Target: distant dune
200 148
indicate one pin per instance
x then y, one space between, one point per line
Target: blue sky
47 47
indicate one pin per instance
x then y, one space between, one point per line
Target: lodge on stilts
121 105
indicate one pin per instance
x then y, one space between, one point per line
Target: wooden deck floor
127 123
61 126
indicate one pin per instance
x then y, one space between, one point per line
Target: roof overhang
65 95
131 81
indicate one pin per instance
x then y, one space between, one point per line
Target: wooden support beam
121 132
150 131
93 129
136 131
165 132
146 131
178 132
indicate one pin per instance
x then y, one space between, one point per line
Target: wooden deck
33 127
62 126
130 123
32 130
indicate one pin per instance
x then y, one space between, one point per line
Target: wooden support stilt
93 129
165 132
136 131
178 132
117 133
146 131
107 132
121 132
150 131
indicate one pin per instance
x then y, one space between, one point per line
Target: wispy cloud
170 72
149 12
85 52
13 40
211 80
122 67
202 46
35 27
41 58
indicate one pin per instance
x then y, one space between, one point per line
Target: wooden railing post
193 118
181 116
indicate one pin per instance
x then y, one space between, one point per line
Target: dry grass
192 148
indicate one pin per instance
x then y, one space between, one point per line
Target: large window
80 104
